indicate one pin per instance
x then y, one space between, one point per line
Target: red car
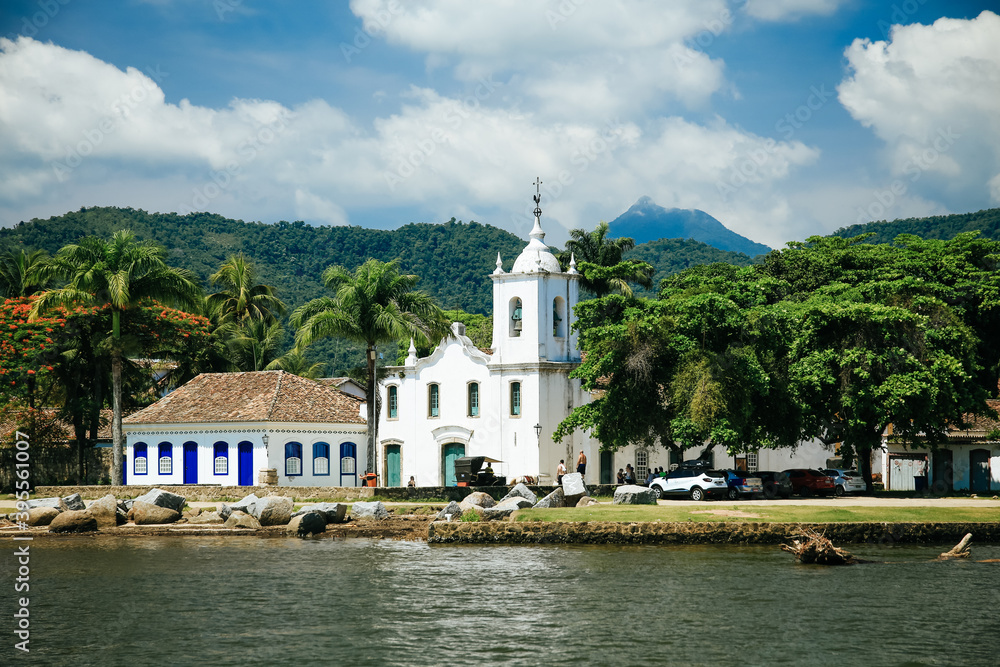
807 482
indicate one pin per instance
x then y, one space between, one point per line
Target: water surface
253 601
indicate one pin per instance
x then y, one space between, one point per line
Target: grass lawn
761 513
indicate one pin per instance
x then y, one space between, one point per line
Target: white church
504 402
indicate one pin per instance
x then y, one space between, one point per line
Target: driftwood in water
816 549
960 550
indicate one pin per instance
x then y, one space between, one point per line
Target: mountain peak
647 221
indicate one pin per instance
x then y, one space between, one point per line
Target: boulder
106 512
513 503
364 510
191 512
303 525
42 516
148 514
496 513
521 491
632 494
453 510
162 499
331 512
224 511
206 518
246 505
57 503
573 488
479 499
73 521
273 510
554 499
586 501
74 502
242 520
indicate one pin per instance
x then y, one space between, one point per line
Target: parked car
742 484
776 484
807 482
846 481
694 483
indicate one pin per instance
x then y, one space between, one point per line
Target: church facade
504 402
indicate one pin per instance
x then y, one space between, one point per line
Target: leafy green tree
295 362
252 344
23 273
121 273
242 296
374 305
595 251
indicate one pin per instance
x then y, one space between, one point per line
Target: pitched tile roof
979 427
261 396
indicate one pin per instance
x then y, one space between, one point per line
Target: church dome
536 256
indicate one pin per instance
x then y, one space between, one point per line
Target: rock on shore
73 521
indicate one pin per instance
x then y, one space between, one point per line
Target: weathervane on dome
538 197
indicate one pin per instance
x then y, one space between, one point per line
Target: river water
255 601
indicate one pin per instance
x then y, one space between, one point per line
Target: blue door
190 463
244 464
449 453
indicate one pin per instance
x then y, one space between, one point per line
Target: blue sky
782 118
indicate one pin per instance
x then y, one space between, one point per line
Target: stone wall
209 493
55 464
551 532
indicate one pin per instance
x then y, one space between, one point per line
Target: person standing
560 471
581 463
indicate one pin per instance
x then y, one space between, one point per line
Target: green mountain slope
935 227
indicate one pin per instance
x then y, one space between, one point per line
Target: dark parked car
743 484
807 482
776 484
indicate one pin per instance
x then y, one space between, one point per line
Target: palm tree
253 343
242 296
596 249
374 305
295 362
23 273
119 273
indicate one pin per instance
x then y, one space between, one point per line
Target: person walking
560 471
581 463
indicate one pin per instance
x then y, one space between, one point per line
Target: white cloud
437 155
574 58
790 10
931 94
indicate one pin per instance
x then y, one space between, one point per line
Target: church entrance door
450 452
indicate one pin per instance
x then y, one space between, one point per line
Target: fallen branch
960 550
816 549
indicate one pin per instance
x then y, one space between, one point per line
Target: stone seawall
210 492
551 532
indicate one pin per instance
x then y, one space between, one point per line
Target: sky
781 118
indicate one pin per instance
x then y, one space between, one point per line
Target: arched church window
516 316
433 401
473 399
515 399
559 317
393 403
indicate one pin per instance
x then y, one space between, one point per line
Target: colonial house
226 428
503 402
968 461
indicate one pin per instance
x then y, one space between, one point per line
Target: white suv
697 484
846 481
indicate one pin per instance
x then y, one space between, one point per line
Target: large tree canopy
832 338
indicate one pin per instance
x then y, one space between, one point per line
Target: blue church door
190 463
244 463
450 452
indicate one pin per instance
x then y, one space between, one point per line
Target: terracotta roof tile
260 396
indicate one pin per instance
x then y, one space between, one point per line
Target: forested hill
669 256
453 259
935 227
